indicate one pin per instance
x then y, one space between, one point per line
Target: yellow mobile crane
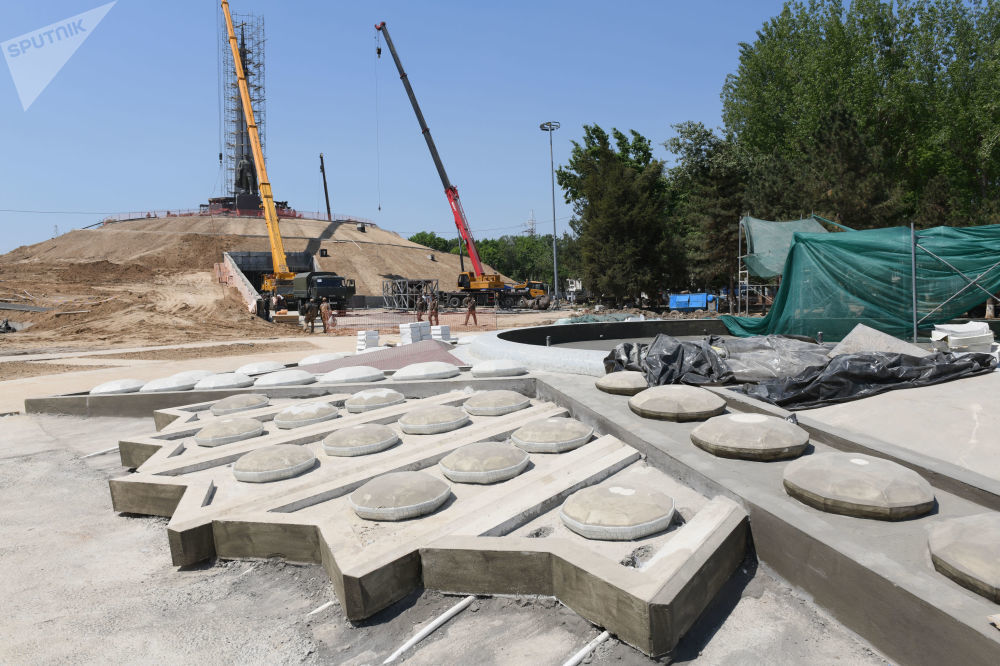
279 263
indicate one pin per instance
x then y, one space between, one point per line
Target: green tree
707 183
432 240
620 202
882 112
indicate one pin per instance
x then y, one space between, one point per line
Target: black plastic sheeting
855 376
815 383
667 360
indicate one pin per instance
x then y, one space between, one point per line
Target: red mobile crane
487 288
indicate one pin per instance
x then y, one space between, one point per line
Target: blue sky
131 121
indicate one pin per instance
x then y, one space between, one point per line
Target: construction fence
387 322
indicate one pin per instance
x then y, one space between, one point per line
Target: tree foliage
873 113
620 202
518 257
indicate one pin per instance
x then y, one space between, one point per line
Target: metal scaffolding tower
402 294
250 32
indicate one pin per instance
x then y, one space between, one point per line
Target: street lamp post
551 127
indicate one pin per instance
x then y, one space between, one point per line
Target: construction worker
470 310
421 307
309 312
432 315
326 315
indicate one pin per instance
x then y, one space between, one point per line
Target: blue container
690 302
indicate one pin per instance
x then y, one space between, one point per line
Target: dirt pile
151 281
185 243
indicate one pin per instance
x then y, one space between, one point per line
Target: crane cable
220 180
378 135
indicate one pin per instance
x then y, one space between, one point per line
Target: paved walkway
957 421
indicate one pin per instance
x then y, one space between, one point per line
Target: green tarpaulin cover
831 282
768 243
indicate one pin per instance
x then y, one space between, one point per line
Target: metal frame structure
970 282
250 28
402 294
743 284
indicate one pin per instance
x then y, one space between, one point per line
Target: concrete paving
134 596
875 577
461 547
956 422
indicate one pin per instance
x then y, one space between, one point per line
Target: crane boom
450 190
279 261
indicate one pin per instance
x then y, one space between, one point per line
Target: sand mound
152 281
186 243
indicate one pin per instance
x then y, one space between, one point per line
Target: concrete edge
939 473
491 347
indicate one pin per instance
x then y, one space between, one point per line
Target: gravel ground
83 584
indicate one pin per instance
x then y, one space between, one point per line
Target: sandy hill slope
195 243
151 281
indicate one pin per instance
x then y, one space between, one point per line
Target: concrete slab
310 518
863 339
875 577
955 422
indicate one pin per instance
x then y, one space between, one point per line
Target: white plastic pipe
582 654
100 453
320 609
430 628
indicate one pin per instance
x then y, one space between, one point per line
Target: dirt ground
22 369
186 353
85 585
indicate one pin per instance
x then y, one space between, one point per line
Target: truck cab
337 289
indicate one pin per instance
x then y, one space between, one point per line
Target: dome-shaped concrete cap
274 463
750 437
164 384
224 380
967 550
432 420
259 368
286 378
399 496
676 402
617 512
227 431
360 440
623 382
496 403
352 374
239 403
426 370
192 375
369 399
498 368
117 387
552 435
858 485
484 462
323 358
305 413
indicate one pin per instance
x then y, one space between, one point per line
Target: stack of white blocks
415 331
409 333
442 333
366 339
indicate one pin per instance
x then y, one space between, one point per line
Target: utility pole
551 127
326 192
